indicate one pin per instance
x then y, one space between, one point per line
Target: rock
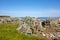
43 34
29 32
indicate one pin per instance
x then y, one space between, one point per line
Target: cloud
50 12
54 11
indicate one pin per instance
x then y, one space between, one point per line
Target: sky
33 8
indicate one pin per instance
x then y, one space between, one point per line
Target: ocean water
43 18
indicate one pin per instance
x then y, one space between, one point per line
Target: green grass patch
9 32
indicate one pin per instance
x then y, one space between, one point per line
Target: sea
43 18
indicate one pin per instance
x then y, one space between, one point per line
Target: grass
9 32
